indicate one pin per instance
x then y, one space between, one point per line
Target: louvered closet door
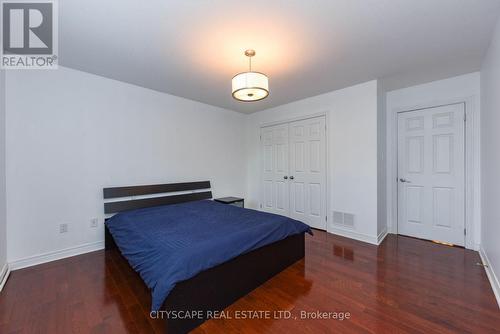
307 177
275 187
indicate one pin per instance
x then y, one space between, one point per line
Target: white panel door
308 172
275 187
431 179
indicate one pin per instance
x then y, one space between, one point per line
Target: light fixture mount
250 86
249 53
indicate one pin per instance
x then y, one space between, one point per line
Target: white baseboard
56 255
381 236
353 235
495 285
4 275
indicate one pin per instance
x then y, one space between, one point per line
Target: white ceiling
192 48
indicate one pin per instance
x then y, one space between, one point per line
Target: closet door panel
308 171
274 169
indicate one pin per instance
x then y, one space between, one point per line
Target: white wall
460 88
3 222
352 150
69 134
490 158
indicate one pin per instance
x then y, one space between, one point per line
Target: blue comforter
170 244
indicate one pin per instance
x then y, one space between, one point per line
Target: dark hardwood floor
403 286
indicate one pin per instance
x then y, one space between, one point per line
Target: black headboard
131 204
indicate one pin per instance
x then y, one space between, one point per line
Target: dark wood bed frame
218 287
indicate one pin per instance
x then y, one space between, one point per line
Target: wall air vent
349 220
338 218
343 219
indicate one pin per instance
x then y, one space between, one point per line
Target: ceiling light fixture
250 86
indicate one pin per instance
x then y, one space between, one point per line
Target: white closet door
307 176
431 155
275 188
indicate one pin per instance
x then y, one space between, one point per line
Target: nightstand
236 201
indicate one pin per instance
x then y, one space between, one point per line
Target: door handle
404 180
285 177
291 178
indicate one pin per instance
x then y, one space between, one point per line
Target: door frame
472 166
327 159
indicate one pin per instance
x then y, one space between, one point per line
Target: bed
195 254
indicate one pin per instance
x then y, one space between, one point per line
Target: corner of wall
4 270
382 213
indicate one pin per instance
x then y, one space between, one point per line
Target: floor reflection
343 252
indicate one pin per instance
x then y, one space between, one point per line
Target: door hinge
326 218
465 231
465 117
261 206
